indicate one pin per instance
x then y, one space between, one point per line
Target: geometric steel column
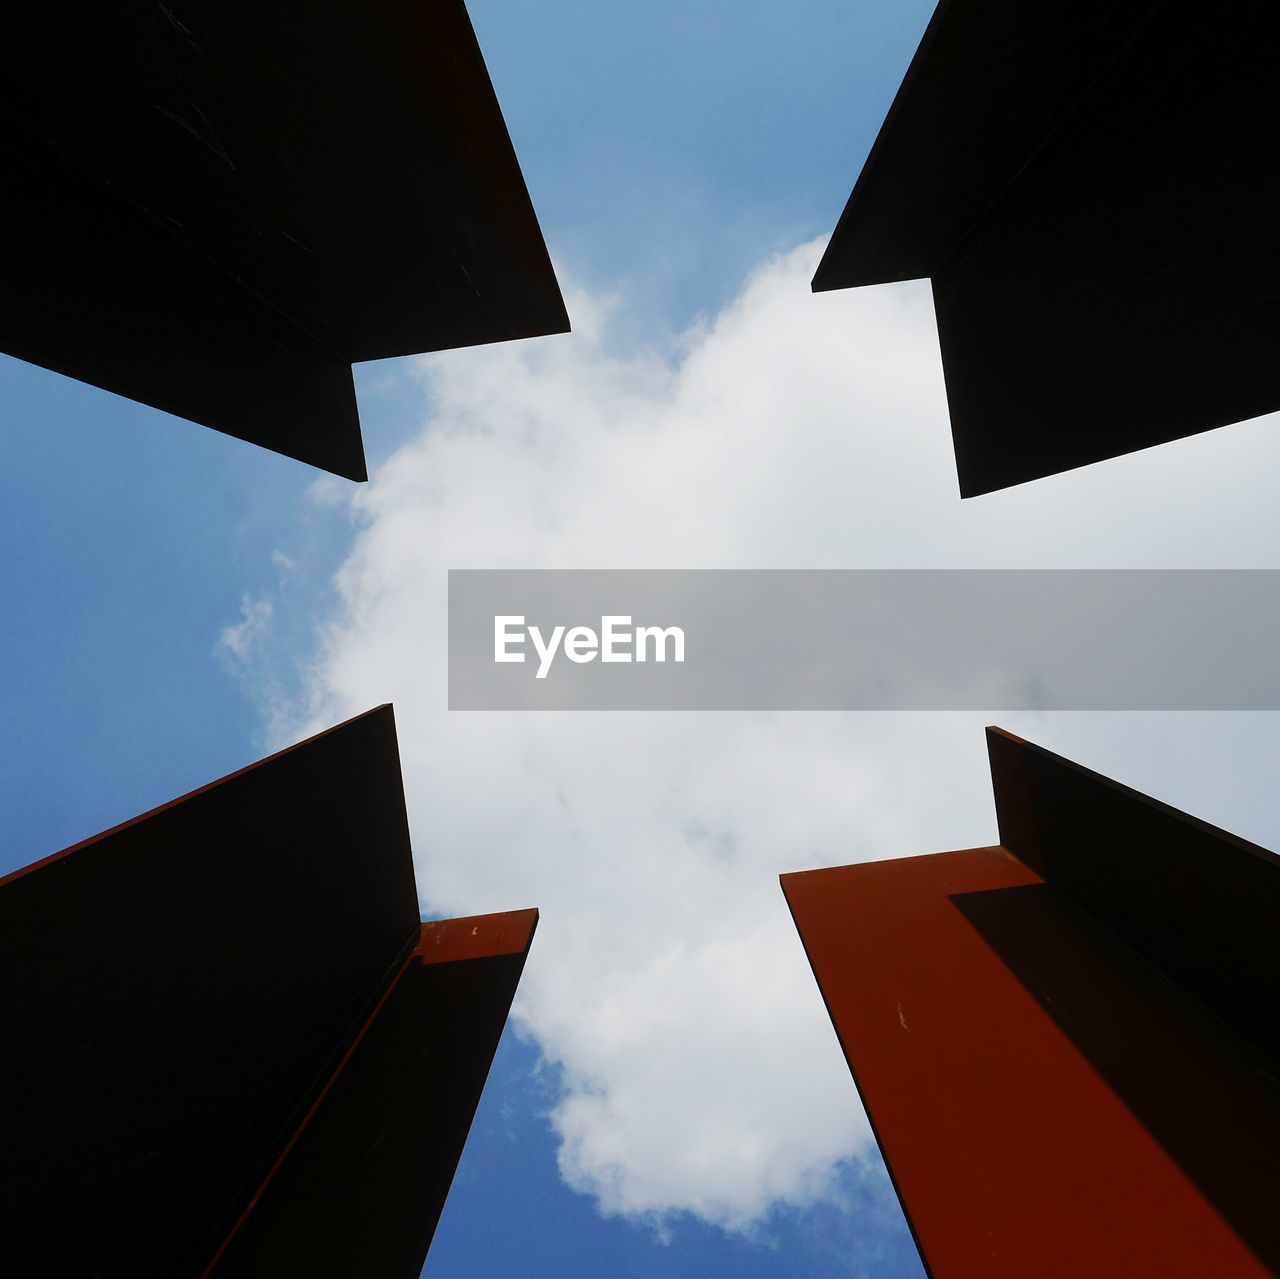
216 207
1091 187
231 1047
362 1185
1067 1044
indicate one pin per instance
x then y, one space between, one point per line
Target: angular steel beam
1066 1042
1091 187
230 1045
217 208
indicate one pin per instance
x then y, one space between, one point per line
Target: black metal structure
1090 187
231 1048
217 208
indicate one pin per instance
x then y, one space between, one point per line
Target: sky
669 1096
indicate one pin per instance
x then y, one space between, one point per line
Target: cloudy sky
670 1094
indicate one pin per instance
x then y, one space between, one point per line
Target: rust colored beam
193 999
216 208
1051 1093
398 1110
1199 903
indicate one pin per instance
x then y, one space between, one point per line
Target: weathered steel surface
1199 903
362 1185
215 208
179 993
1089 186
1047 1099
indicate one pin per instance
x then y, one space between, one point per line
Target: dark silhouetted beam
231 997
397 1115
1090 187
216 208
1057 1039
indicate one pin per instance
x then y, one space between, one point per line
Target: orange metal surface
1048 1101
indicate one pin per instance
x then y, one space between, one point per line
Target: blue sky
672 150
668 149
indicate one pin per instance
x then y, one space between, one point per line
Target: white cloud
244 638
793 431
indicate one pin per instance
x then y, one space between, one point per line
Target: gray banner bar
922 639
